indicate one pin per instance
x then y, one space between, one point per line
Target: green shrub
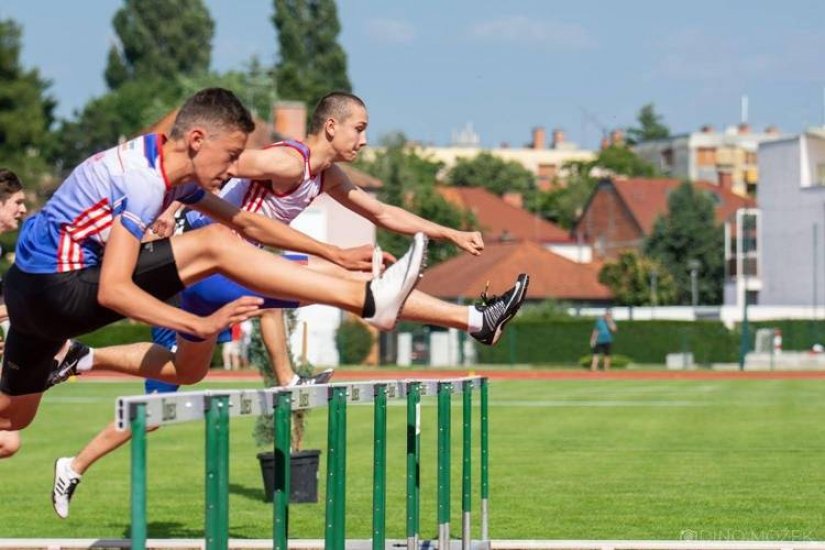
565 341
354 341
616 361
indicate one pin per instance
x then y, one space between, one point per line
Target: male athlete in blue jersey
80 264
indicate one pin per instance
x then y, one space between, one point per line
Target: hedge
565 341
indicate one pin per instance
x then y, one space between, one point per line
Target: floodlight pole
743 239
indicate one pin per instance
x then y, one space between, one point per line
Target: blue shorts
209 295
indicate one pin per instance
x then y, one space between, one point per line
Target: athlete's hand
234 312
164 226
470 241
359 258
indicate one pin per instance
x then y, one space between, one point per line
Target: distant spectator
601 340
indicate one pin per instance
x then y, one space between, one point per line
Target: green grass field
569 460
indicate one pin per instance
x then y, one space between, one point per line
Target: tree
621 161
687 233
312 62
409 182
636 280
160 39
25 110
650 127
493 173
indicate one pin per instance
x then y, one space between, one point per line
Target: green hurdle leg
280 496
444 396
485 484
379 468
341 499
138 426
466 484
413 462
217 472
334 529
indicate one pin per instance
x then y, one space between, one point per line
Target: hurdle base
199 544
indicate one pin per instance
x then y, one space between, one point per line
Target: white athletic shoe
391 290
377 261
65 482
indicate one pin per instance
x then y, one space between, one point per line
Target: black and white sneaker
319 378
65 482
497 311
68 366
394 286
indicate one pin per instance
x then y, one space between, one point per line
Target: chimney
617 137
772 130
539 138
744 128
706 129
290 119
725 179
558 137
604 143
513 198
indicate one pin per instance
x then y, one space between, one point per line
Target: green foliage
25 111
689 232
312 62
616 361
564 342
354 342
493 173
621 161
797 334
630 279
120 114
651 126
409 182
547 310
160 39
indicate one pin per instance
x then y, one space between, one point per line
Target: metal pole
138 485
444 395
379 468
341 499
466 463
280 496
413 466
217 472
333 529
485 465
744 341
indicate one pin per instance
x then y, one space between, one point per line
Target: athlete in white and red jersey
81 265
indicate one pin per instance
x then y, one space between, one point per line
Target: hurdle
215 407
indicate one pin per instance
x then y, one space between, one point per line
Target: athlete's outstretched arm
119 293
340 188
258 228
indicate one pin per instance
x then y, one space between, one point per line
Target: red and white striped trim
90 222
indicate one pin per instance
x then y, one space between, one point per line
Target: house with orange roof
621 213
502 219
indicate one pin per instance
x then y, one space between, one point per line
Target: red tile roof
551 275
647 199
500 220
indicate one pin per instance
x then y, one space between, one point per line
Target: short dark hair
216 107
9 184
333 105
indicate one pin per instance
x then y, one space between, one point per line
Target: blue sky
430 67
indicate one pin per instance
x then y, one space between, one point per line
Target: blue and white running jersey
72 229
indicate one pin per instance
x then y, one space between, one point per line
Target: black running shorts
47 309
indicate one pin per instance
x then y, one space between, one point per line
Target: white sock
86 362
475 319
294 380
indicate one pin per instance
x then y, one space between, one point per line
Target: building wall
793 263
607 225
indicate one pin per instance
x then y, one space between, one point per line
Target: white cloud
391 31
526 30
697 55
